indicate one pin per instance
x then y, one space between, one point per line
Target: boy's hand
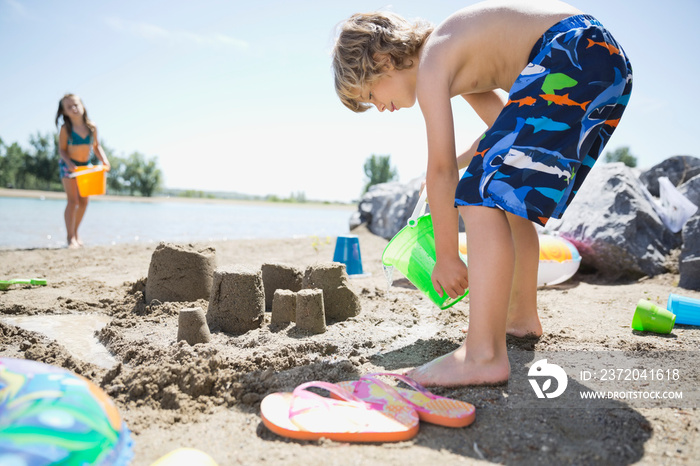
450 275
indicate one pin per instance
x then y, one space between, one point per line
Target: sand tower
237 302
340 302
180 273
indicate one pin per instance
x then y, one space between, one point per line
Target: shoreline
38 194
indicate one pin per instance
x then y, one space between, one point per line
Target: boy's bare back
486 46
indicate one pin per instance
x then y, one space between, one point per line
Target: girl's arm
100 153
63 148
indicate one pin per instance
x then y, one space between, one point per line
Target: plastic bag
673 208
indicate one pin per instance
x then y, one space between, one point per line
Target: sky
238 95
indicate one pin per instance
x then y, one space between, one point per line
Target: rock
691 190
386 207
180 273
677 169
237 302
614 226
690 255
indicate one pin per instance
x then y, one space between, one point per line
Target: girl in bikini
77 142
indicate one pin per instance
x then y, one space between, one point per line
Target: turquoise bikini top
77 140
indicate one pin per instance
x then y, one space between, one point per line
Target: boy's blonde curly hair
361 38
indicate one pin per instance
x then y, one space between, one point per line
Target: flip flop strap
301 392
407 380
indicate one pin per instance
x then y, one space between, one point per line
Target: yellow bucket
91 180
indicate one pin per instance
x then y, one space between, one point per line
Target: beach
173 395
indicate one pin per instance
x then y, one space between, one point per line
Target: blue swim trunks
561 112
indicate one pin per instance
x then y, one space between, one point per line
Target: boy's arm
442 175
488 105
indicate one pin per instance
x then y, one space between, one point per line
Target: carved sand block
280 277
179 273
237 302
339 300
310 314
192 326
284 307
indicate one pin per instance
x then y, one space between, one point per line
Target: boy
568 82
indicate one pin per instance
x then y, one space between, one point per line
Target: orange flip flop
430 407
304 415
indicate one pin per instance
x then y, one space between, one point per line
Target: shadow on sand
514 427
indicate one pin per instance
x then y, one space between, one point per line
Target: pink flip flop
304 415
431 408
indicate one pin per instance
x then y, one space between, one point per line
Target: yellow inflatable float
559 259
185 457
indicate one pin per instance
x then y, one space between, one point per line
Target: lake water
38 223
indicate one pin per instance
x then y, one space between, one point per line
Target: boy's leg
483 357
523 319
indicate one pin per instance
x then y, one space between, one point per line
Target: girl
77 142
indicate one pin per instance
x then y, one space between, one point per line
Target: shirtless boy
568 82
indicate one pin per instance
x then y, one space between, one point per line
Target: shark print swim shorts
561 112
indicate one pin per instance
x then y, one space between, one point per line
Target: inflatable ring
49 415
559 259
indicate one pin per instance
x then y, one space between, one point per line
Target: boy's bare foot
519 330
73 244
79 241
455 369
531 328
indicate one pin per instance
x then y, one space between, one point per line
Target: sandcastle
310 315
238 295
280 277
180 273
192 326
237 302
339 300
332 299
284 307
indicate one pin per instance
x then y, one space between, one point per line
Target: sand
207 396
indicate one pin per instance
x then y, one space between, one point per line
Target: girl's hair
361 38
66 121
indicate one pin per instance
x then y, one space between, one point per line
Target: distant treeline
37 168
134 175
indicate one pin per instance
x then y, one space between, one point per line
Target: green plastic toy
5 284
412 252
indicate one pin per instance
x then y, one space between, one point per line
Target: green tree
42 162
378 169
13 172
116 181
621 154
143 175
